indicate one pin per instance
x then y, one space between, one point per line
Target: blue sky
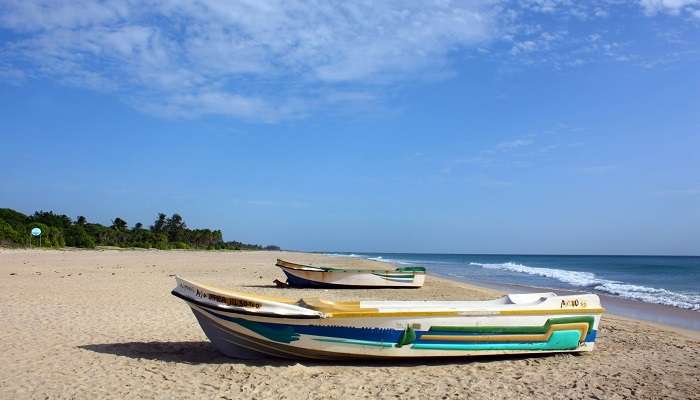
536 126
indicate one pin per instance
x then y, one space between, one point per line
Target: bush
182 246
12 217
56 235
8 235
76 236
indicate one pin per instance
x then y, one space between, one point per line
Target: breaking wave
388 260
591 281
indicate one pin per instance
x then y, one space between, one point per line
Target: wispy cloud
597 169
522 152
498 183
672 7
491 155
548 148
243 59
270 60
513 144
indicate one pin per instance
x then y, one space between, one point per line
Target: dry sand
102 324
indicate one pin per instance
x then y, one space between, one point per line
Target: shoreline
659 314
673 318
664 316
606 301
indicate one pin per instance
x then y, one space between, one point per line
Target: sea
670 281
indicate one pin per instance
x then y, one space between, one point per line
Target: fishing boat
253 326
299 275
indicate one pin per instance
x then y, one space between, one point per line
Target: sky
531 126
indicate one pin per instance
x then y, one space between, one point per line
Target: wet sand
102 324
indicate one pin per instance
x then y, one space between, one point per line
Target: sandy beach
102 324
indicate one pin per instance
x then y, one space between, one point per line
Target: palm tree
158 226
119 224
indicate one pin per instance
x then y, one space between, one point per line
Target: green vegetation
59 231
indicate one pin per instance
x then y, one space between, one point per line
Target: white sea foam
377 258
589 280
388 260
651 295
575 278
342 255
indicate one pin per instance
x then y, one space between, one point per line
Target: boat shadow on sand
203 352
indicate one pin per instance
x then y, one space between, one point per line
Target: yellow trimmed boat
252 326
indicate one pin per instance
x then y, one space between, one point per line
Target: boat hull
330 343
242 333
317 277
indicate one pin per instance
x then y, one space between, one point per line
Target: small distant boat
252 326
299 275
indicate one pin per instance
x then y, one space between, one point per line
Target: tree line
58 230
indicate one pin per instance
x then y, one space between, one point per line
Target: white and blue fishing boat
300 275
252 326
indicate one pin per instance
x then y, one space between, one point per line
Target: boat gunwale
303 267
460 313
219 307
375 313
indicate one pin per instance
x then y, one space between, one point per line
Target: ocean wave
388 260
377 258
591 281
575 278
651 295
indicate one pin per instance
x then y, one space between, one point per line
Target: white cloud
222 103
582 10
543 42
32 15
673 7
526 46
600 12
275 59
513 144
329 41
546 6
244 59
